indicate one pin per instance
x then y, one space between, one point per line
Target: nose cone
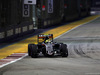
50 53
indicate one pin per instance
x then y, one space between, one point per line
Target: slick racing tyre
29 49
64 50
34 51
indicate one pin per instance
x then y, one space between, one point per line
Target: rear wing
41 37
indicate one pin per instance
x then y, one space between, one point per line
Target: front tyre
34 51
64 50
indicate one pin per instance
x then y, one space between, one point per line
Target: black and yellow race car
47 47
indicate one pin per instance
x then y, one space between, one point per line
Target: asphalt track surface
84 55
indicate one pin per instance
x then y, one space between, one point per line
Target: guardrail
15 31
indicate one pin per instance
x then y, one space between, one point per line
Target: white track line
75 28
13 61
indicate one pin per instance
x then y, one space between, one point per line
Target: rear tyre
64 50
34 51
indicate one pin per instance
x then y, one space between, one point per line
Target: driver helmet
46 39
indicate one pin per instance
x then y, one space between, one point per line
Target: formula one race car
47 47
